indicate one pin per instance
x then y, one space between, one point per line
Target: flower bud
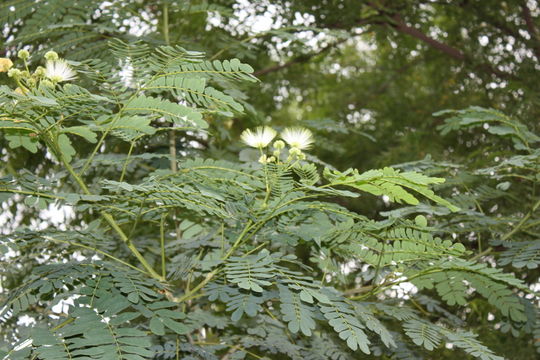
51 55
40 71
279 145
5 64
23 54
47 83
271 159
263 159
14 73
21 91
295 151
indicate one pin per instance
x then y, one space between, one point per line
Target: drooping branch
299 59
453 52
395 20
401 26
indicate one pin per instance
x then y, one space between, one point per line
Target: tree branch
395 20
531 28
453 52
299 59
401 26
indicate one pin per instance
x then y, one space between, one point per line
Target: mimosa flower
299 138
59 70
260 138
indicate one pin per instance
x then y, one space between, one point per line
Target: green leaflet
296 312
497 124
180 115
83 132
449 279
422 334
195 91
22 140
389 182
250 272
430 335
343 319
65 147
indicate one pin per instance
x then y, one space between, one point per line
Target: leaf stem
96 250
238 240
211 274
199 286
162 243
511 232
166 22
114 225
124 167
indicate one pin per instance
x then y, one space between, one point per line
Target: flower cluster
56 70
297 138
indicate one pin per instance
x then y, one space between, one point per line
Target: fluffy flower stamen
59 70
260 138
299 138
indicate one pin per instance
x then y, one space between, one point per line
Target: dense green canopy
436 89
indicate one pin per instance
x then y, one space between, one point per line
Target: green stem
61 325
266 179
238 240
199 286
211 274
114 225
162 243
166 22
32 193
124 167
96 250
483 253
100 142
522 221
255 249
108 217
511 232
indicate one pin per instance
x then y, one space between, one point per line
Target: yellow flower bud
21 91
5 64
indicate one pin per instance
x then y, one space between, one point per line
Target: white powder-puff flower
59 70
299 138
260 138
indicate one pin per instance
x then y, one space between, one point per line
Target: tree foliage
177 241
